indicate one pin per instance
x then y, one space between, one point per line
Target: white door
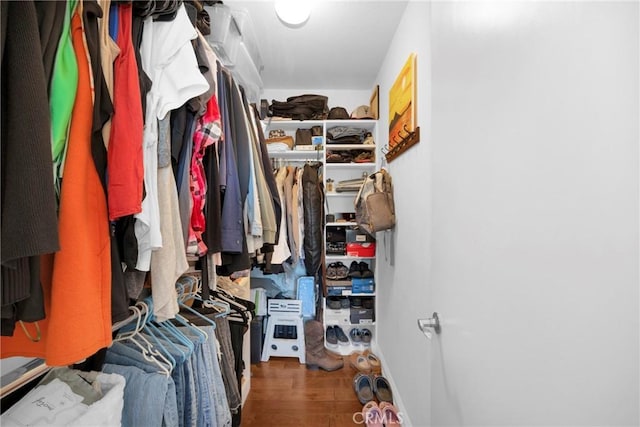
535 213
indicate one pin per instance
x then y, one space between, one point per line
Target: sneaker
355 270
342 338
334 303
355 335
331 271
356 302
344 302
342 272
367 303
331 337
366 336
363 267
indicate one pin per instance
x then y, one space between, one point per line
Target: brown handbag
374 205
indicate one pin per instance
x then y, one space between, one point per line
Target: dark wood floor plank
285 393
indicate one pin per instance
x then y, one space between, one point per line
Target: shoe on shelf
356 336
341 337
356 302
355 270
367 302
363 386
382 389
365 272
331 271
344 302
334 303
366 336
332 337
342 271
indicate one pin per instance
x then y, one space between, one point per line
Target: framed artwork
374 102
403 130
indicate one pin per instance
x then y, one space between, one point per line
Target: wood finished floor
285 393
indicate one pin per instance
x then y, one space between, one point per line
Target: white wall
517 216
403 289
535 213
349 99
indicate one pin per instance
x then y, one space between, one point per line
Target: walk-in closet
319 213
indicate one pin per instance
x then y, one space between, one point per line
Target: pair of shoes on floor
337 271
384 414
360 270
367 387
360 336
366 362
335 335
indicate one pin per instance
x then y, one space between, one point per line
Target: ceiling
341 46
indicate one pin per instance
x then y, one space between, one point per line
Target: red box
367 249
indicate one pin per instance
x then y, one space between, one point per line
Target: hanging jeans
121 354
223 413
227 364
144 395
206 408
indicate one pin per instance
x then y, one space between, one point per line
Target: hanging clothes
76 331
102 111
125 165
168 58
281 251
289 205
50 23
109 51
29 220
64 84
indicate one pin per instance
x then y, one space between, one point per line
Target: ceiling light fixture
293 12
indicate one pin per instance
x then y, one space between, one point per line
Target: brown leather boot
316 355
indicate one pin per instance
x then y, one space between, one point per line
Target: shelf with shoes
349 157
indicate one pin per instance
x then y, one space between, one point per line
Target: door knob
430 324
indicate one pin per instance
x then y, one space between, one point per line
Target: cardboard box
355 235
361 249
362 316
362 286
338 287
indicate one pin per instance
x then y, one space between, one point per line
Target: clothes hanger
132 337
157 351
148 328
170 329
194 292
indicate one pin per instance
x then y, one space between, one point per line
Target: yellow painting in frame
402 103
